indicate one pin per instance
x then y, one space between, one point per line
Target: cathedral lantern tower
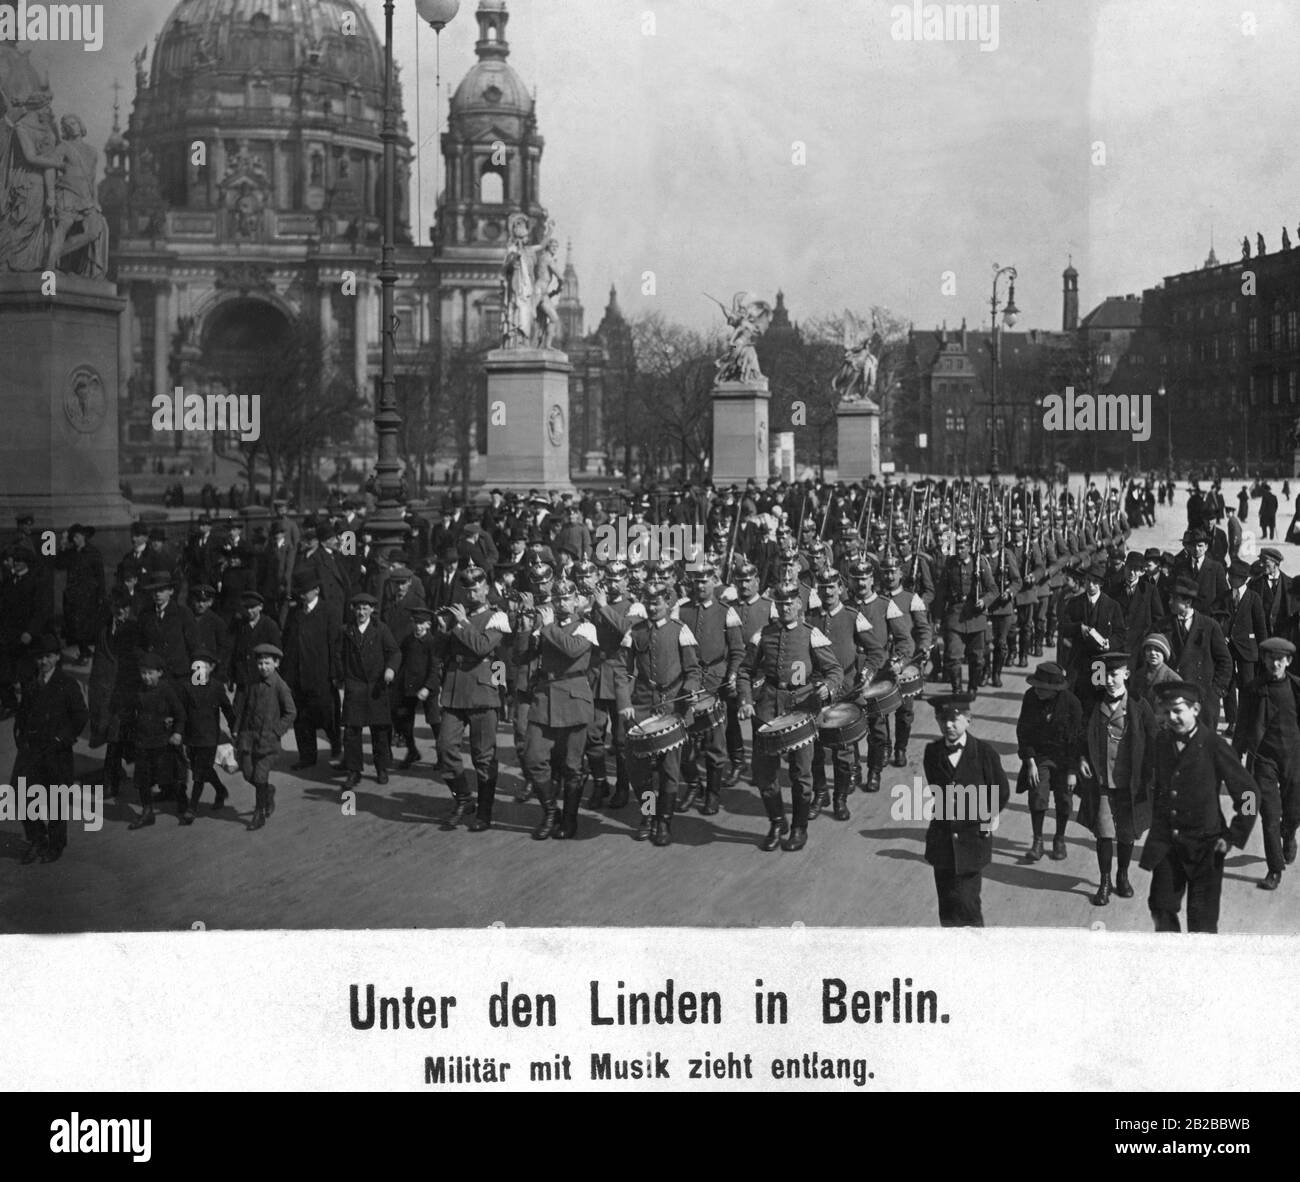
492 154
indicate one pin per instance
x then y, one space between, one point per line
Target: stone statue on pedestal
529 278
856 380
747 320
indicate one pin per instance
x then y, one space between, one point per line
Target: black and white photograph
652 465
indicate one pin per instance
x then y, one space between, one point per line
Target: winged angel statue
747 320
856 379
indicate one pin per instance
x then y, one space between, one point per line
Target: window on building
1290 387
950 421
1291 329
1253 334
961 422
1276 383
492 188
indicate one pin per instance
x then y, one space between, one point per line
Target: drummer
754 610
890 624
860 652
659 672
789 666
915 611
721 646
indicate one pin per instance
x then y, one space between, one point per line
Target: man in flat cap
1244 629
1189 838
1276 595
158 723
1195 563
264 714
253 627
1268 738
958 847
1049 734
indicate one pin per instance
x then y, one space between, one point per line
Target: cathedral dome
492 94
334 37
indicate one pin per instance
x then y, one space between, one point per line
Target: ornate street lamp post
1009 314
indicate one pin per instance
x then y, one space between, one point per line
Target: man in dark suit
441 588
365 665
275 573
311 641
1139 599
1200 654
1274 589
1189 839
478 549
1246 628
1268 513
322 559
1209 576
22 619
1091 624
1268 736
957 845
50 716
168 629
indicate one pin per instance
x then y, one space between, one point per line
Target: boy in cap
1152 670
264 713
958 848
205 701
159 727
1091 624
253 628
1119 753
1049 732
417 682
1268 738
1189 839
210 629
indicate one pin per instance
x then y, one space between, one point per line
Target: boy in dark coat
1049 732
205 702
264 713
159 723
417 685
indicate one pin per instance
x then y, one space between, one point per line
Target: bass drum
786 733
841 725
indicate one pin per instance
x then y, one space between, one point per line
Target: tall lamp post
1009 314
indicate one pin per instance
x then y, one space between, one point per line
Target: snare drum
881 698
656 735
787 733
709 710
841 725
911 681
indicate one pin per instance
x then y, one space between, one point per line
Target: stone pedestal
59 388
740 435
859 440
528 420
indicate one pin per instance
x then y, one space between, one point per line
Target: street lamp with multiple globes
388 524
1009 314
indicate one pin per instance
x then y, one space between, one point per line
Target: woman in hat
83 595
1049 734
1115 792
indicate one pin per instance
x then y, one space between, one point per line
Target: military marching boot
954 678
1049 635
619 799
259 808
1039 634
663 832
568 826
487 793
549 817
731 776
712 793
840 808
599 793
687 798
873 780
996 681
778 828
146 817
1102 897
976 678
646 826
902 732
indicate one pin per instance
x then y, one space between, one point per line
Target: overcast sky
673 152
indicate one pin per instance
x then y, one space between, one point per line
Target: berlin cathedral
245 199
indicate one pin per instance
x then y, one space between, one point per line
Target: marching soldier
889 627
860 650
1189 839
755 610
660 669
965 590
959 847
720 647
1032 592
612 614
471 700
913 608
563 707
1002 611
789 665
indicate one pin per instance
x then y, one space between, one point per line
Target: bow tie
953 746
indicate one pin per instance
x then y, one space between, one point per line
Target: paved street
391 866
